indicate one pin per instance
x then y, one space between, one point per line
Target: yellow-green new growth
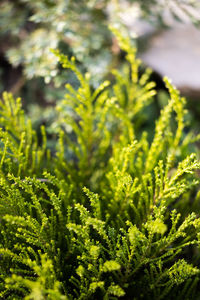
111 211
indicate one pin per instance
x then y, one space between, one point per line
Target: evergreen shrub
111 212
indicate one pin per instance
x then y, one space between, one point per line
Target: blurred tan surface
176 53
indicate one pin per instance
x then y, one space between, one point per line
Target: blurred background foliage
30 29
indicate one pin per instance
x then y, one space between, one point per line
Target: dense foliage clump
111 212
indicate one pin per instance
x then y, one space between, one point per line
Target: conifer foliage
111 213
